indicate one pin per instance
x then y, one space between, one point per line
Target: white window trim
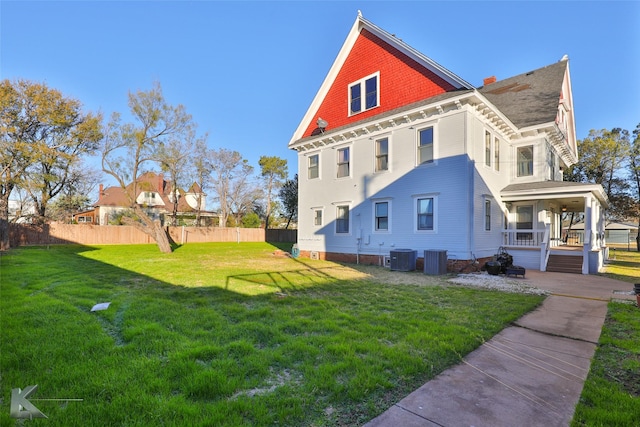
534 155
335 228
373 215
375 155
313 217
417 144
337 158
308 157
488 133
434 196
485 199
363 94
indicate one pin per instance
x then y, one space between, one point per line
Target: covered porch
534 234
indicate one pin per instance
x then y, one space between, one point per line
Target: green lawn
225 335
611 394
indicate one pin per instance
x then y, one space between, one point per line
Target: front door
524 221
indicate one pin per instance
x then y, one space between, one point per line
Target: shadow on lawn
284 280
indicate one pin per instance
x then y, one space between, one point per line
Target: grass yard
611 394
225 335
623 265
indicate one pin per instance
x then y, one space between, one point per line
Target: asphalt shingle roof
531 98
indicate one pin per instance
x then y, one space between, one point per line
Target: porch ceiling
569 194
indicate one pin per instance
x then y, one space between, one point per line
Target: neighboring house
155 195
396 151
85 217
615 233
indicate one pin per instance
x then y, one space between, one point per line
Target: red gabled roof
406 76
149 181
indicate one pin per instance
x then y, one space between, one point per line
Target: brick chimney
101 192
489 80
160 182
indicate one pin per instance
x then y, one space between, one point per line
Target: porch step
565 264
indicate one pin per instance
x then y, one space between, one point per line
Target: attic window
364 94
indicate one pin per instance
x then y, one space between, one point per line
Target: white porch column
588 232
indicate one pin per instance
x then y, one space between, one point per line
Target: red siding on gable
402 81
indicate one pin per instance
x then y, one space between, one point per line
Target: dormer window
364 94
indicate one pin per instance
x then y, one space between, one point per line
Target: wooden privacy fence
279 235
26 234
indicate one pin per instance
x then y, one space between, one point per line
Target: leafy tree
602 155
274 170
289 197
634 179
43 136
251 220
63 207
128 147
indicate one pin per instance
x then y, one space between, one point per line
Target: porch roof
564 191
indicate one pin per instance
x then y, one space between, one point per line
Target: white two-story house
397 152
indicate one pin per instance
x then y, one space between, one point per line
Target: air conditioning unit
314 255
435 262
403 259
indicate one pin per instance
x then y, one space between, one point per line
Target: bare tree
128 147
201 173
230 172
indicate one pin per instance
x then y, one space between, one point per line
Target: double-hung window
381 211
343 162
342 219
551 162
425 145
496 154
425 214
314 166
382 155
364 94
317 217
525 160
487 215
487 148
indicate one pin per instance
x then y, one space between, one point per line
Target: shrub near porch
226 334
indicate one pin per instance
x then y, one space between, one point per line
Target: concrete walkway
529 374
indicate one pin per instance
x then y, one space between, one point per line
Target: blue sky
248 71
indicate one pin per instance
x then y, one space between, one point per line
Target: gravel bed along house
487 281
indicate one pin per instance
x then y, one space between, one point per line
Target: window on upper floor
343 162
496 154
342 219
487 148
425 145
313 166
364 94
525 161
551 163
382 155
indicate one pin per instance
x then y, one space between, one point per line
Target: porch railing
523 237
